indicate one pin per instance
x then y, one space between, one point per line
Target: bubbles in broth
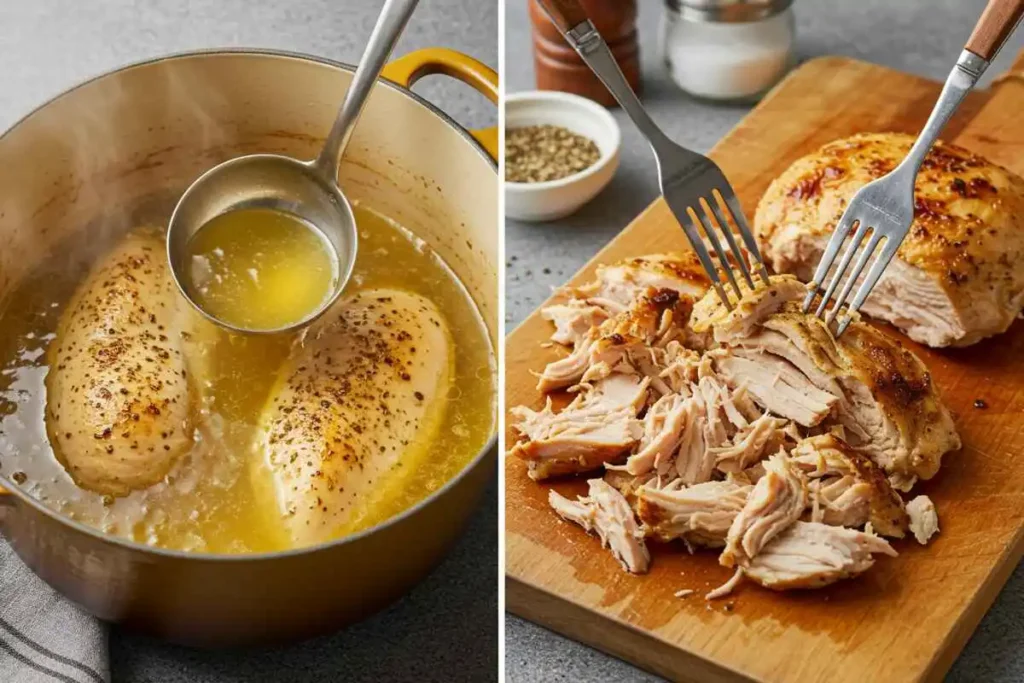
208 501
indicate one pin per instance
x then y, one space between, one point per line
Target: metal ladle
306 189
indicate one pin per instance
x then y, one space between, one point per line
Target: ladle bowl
265 181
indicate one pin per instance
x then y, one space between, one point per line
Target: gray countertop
447 628
918 36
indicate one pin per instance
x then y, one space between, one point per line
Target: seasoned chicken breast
354 410
120 409
866 381
956 278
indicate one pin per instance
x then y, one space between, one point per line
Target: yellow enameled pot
137 136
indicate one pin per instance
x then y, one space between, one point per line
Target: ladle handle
390 24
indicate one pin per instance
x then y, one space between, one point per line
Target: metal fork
885 207
693 185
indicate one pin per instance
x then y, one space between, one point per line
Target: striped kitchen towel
44 637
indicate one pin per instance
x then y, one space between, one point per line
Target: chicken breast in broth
121 406
357 406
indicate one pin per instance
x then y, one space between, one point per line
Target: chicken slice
812 555
747 313
924 520
893 401
606 512
700 514
775 384
776 501
852 489
573 320
619 284
121 408
354 412
598 427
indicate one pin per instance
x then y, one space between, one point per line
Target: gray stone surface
447 628
918 36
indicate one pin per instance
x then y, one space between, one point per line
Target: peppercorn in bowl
561 150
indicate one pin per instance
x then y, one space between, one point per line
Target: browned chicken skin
956 278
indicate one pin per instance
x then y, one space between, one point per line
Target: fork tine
858 268
844 263
697 244
709 230
730 238
746 235
835 243
889 250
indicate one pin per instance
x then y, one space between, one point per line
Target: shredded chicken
848 488
811 555
573 320
606 512
749 428
599 426
621 342
924 520
775 502
700 514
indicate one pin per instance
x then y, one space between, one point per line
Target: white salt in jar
728 50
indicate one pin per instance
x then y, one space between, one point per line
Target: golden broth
208 502
260 269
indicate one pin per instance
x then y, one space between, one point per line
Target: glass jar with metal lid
729 50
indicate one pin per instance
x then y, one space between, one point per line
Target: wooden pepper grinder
557 65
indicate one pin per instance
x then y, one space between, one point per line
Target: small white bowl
554 199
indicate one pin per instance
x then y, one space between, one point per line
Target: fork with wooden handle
885 207
693 185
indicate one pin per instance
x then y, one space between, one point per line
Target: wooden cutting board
908 617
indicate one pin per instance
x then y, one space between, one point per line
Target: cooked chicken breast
885 400
777 500
606 512
812 555
120 410
852 490
355 407
699 515
681 404
618 285
955 279
599 426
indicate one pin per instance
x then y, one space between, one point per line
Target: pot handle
408 69
6 501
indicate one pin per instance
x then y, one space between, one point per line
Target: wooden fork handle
567 14
994 27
